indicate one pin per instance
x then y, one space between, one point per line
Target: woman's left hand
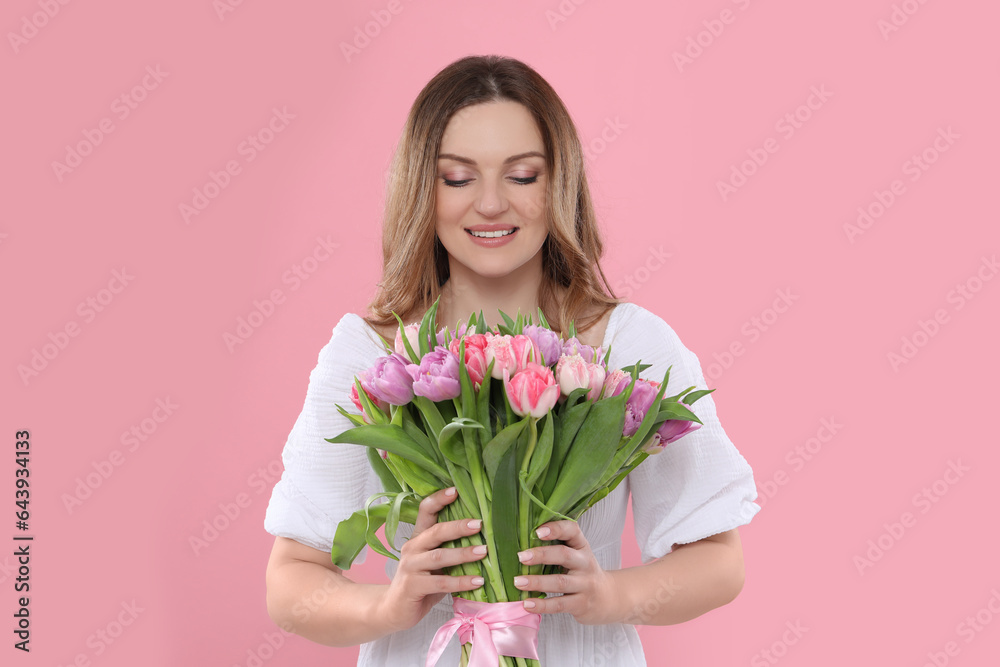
588 591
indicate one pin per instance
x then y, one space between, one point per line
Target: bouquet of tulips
557 435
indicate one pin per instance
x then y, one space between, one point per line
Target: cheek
532 207
449 206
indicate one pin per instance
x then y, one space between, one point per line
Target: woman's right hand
419 583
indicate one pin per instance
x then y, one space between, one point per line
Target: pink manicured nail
476 524
478 581
449 491
543 532
529 604
524 556
520 581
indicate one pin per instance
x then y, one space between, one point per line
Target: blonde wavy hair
415 263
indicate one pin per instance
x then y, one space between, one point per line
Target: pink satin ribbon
494 628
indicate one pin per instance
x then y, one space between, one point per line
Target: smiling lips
491 231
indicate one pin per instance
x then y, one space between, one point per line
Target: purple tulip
545 341
588 352
670 431
463 328
390 381
436 377
674 429
637 405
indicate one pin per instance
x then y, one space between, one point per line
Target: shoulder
352 342
641 333
636 321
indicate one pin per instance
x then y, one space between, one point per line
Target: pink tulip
475 356
413 336
574 372
510 353
616 382
366 383
533 390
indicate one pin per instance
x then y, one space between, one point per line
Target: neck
467 292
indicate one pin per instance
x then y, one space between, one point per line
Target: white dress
698 486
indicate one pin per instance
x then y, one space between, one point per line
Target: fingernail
476 524
520 581
480 550
543 532
529 604
524 556
449 491
478 581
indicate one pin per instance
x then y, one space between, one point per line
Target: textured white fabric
697 487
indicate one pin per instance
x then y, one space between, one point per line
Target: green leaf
506 318
522 478
452 445
695 395
371 409
390 438
593 449
416 477
483 406
410 352
506 522
358 529
431 414
543 451
574 397
641 367
392 520
354 419
457 424
427 328
411 426
676 411
541 319
389 482
569 426
497 448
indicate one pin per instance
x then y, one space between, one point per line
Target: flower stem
524 511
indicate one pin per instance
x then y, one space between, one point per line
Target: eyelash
519 181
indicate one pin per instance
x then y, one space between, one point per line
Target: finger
442 557
549 583
556 554
556 605
564 531
446 531
448 584
430 506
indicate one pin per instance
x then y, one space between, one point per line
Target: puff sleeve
699 485
322 482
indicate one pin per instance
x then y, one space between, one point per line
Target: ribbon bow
494 628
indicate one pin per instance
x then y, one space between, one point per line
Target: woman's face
491 176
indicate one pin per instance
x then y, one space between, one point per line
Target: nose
491 200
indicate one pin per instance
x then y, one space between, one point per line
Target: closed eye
520 181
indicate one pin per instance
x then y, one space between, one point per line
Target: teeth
491 235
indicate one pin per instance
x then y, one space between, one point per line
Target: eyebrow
512 158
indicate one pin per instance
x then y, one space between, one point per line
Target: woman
488 208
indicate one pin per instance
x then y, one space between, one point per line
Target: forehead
493 129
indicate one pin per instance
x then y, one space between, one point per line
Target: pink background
671 133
